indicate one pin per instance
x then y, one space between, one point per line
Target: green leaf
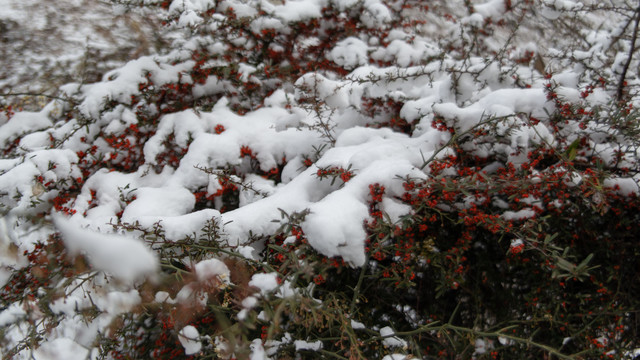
572 150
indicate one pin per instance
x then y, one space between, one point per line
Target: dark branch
634 37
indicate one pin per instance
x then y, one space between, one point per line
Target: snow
257 350
350 53
406 54
162 201
162 297
395 357
503 102
297 10
212 269
624 186
11 314
376 14
331 229
491 9
356 325
53 165
480 346
395 209
118 302
188 337
61 348
335 94
516 243
390 340
249 302
22 122
123 257
519 215
305 345
266 283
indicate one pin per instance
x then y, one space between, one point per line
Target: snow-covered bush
334 179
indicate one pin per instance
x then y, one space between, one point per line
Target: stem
331 354
35 95
634 37
529 342
435 326
356 290
494 334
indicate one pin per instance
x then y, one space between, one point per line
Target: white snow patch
395 357
390 340
624 186
189 338
60 349
11 314
207 270
249 302
22 122
356 325
164 201
335 226
125 258
305 345
265 282
350 53
257 350
519 215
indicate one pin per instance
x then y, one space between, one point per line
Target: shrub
333 179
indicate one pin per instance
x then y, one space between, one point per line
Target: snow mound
123 257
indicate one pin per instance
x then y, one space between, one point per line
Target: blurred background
44 44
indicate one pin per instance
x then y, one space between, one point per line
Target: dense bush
335 179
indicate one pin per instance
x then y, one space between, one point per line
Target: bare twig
634 37
9 94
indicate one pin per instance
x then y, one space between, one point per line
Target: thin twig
356 290
627 63
34 95
456 136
